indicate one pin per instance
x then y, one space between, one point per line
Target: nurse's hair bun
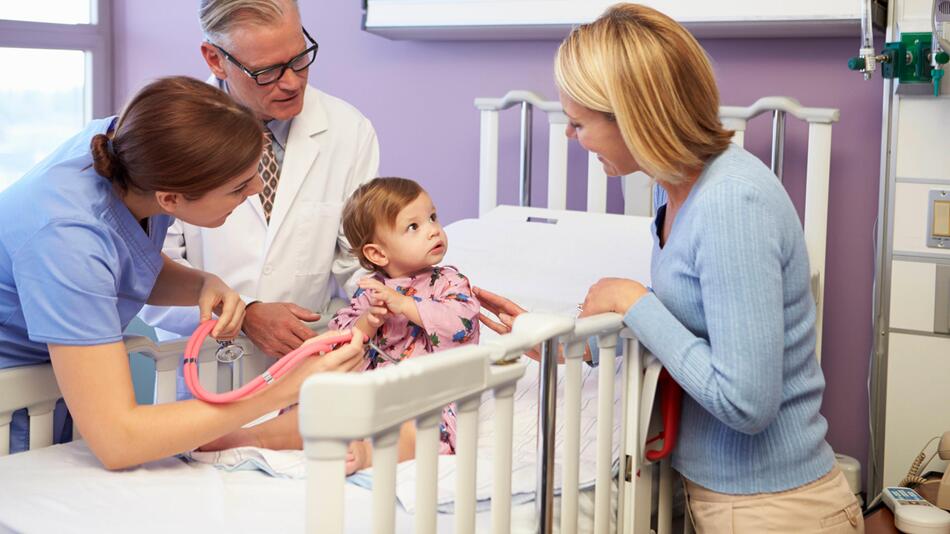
105 160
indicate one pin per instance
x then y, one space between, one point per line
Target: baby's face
416 241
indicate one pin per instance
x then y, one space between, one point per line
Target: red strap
671 401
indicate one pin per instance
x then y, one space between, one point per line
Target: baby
410 305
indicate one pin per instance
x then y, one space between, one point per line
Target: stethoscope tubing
280 368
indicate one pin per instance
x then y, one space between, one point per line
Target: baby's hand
359 456
375 316
382 295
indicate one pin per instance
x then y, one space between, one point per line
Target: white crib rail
212 375
375 405
32 387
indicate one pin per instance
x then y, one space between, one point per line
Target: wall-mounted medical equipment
909 364
915 59
539 19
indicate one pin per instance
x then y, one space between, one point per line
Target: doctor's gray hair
219 17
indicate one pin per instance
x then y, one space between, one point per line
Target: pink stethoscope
228 353
279 369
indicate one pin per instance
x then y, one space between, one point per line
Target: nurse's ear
170 202
215 60
376 255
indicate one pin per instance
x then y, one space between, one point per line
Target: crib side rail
212 375
32 387
376 404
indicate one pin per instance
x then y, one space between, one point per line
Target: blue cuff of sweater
592 341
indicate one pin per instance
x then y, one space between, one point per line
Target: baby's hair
375 203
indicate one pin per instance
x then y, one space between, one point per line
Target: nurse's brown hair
375 205
179 135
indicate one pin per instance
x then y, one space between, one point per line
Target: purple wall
419 96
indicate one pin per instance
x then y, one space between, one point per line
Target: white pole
488 163
501 480
326 474
465 460
427 471
385 456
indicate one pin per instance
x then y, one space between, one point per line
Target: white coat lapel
254 201
302 151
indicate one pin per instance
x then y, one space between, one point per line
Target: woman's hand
346 358
215 296
612 295
504 309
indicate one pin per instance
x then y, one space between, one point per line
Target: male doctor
283 250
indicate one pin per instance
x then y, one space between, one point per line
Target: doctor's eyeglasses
269 75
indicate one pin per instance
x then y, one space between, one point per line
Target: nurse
731 315
81 239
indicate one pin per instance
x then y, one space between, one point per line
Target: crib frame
363 408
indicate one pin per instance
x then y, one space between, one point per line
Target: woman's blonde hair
649 74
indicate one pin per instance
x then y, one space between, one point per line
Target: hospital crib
381 402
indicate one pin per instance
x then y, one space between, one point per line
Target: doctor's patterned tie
270 174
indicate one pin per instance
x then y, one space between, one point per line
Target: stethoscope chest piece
228 352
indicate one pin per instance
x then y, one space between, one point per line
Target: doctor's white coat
331 150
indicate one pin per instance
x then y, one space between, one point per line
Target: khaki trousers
824 506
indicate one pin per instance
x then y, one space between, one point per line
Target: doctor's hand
612 295
277 327
216 297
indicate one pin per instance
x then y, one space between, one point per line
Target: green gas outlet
908 60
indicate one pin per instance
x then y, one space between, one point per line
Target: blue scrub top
75 264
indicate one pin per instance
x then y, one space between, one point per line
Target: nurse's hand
215 296
346 358
612 295
277 327
504 309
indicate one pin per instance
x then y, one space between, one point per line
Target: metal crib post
778 143
547 399
526 141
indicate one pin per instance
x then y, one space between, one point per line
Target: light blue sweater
733 320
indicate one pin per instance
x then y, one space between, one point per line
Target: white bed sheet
64 488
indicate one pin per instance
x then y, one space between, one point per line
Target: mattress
64 488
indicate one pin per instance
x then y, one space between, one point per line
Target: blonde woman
730 313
